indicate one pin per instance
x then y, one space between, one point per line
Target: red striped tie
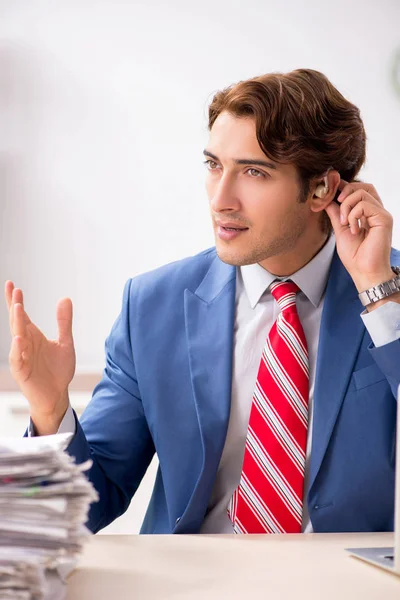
269 498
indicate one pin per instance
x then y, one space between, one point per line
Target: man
252 368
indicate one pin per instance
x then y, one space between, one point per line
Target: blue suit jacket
166 388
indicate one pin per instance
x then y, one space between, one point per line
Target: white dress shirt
256 311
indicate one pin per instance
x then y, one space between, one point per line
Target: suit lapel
340 337
209 322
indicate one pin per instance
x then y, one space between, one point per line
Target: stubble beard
260 250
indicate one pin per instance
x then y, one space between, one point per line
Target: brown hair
302 119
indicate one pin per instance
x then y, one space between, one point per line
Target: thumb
333 210
64 320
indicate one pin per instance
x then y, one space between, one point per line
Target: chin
230 257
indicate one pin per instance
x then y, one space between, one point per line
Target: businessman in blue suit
181 359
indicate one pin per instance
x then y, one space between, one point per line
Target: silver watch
382 290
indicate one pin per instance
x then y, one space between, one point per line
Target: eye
210 162
258 173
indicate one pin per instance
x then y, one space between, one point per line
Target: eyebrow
244 161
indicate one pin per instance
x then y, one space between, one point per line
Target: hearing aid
322 189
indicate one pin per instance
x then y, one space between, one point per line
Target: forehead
233 140
234 136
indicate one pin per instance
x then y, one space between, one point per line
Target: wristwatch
383 290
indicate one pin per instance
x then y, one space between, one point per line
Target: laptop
387 558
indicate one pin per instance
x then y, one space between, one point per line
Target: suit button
177 521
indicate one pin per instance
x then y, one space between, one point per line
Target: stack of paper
44 503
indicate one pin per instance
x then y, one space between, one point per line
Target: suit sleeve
387 358
113 430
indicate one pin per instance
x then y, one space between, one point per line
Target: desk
208 567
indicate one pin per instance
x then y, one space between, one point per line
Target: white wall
103 122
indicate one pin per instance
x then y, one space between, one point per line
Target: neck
307 246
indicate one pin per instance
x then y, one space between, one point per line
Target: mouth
233 228
229 233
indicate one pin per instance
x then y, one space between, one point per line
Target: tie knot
284 293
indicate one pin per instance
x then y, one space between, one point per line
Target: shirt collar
311 279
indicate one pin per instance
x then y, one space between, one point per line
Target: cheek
268 210
279 202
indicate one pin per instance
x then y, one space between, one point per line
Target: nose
222 195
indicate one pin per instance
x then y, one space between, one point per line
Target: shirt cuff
67 425
383 323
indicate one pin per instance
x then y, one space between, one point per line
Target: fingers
19 338
367 213
64 321
19 324
349 188
8 290
9 287
19 319
359 210
360 196
16 358
333 211
14 296
364 223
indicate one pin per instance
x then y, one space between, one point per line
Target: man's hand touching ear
363 230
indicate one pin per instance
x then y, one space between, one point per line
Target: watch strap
382 290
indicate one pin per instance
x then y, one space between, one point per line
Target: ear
323 190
